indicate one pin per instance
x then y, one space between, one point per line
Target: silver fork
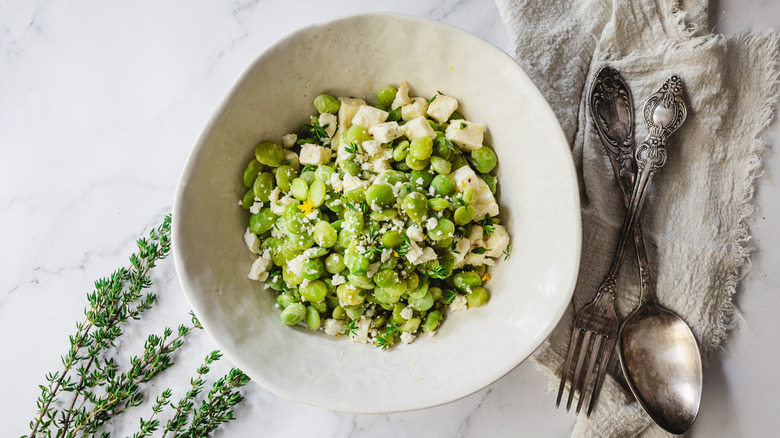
596 325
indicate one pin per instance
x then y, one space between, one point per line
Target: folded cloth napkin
694 215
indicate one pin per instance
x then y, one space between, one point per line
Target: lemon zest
307 207
486 277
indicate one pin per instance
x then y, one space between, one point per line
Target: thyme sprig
91 388
387 338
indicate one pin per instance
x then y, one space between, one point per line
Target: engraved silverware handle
612 108
664 112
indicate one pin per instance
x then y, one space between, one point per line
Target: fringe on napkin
695 215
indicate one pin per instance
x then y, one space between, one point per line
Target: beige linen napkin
694 215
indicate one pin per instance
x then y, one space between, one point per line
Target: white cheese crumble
259 269
467 135
415 233
296 264
333 327
255 208
401 97
314 154
459 303
367 116
417 128
329 123
416 108
289 140
442 107
386 132
252 241
431 223
407 313
338 279
407 338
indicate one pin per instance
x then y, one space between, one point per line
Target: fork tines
596 349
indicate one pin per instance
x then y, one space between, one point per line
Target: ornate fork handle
664 112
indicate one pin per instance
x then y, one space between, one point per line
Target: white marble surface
99 106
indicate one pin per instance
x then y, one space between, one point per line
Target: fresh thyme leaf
438 271
448 295
352 148
432 99
309 168
487 226
462 125
405 246
386 339
479 250
507 252
318 131
350 328
454 247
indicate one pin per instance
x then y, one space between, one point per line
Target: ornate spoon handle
664 112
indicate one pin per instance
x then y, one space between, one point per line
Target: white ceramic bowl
538 195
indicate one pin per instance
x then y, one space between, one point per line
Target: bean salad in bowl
375 220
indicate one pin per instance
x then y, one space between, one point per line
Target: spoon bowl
661 361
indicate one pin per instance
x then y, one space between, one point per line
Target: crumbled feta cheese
252 242
361 333
273 200
349 107
401 97
352 182
428 254
372 147
417 128
333 327
414 109
367 116
329 123
255 208
338 279
386 253
335 182
485 202
296 264
259 269
289 140
467 135
442 107
498 241
314 154
462 247
459 303
372 269
386 132
478 260
415 233
407 313
407 338
475 237
414 253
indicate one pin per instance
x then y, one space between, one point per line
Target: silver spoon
658 352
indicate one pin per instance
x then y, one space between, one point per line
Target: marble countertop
100 104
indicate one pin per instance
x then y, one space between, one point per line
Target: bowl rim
210 124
